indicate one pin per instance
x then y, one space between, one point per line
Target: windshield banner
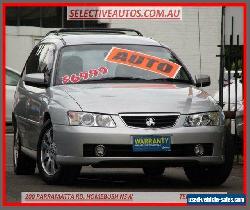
143 61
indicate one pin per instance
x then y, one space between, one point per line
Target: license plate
151 143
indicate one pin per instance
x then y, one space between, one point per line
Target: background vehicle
239 121
235 111
240 107
104 100
232 76
12 78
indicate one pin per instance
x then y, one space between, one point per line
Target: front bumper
70 141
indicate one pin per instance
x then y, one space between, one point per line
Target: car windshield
106 62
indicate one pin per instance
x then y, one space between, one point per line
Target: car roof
79 39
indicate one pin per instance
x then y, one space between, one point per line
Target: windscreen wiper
171 80
116 78
122 78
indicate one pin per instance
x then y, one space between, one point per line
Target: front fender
59 104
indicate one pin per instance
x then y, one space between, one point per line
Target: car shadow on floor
139 181
120 180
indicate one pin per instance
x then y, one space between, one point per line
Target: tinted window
33 62
46 58
30 16
12 78
11 17
40 60
47 17
51 17
43 50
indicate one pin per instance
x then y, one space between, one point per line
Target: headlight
205 119
90 119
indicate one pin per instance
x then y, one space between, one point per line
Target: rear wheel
150 171
50 170
23 165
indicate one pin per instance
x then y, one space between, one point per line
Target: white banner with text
108 197
128 12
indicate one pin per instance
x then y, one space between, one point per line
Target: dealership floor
108 180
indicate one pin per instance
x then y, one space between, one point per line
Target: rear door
36 97
21 100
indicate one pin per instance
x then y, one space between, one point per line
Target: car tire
148 171
213 175
60 174
23 165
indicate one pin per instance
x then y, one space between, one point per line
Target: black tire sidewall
24 165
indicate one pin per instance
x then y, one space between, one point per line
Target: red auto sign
143 61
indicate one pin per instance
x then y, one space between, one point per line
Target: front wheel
50 170
208 175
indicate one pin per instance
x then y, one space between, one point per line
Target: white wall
181 36
18 49
20 42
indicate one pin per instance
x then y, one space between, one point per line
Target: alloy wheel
48 154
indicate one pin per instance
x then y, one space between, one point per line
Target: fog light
199 150
99 150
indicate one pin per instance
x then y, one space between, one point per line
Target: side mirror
35 80
202 80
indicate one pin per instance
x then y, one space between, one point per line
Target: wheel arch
46 117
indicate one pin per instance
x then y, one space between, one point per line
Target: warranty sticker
143 61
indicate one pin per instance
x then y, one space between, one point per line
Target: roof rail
96 30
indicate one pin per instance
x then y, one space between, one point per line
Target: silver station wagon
113 98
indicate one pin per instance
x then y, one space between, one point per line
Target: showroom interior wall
181 36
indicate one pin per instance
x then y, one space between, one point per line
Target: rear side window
33 61
40 59
46 59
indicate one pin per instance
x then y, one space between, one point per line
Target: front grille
160 121
177 150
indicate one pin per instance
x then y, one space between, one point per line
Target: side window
33 62
46 63
40 59
43 49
